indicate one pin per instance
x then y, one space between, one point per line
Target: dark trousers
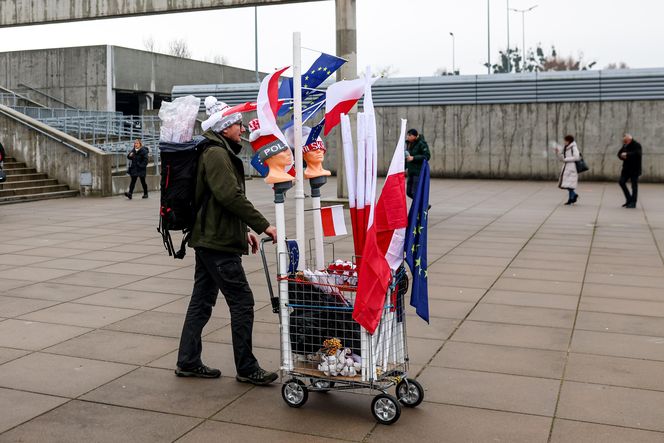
411 185
133 184
216 270
630 198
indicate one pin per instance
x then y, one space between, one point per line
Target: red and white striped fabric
383 248
333 221
340 99
267 105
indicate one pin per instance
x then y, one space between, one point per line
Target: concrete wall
80 76
75 75
27 12
135 70
23 140
514 140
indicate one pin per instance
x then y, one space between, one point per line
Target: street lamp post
488 36
507 52
523 28
453 54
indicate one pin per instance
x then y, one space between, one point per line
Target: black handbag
581 165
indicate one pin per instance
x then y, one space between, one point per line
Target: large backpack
177 212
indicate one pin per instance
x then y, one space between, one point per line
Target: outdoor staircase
26 184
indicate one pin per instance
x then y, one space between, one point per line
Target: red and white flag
383 248
267 105
333 221
340 99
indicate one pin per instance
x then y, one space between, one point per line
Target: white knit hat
213 105
218 121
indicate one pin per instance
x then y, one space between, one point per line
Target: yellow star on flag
418 261
426 273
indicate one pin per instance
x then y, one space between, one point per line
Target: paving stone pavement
547 326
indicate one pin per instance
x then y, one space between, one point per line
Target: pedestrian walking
138 166
569 176
630 154
417 151
220 236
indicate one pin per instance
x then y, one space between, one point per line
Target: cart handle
274 300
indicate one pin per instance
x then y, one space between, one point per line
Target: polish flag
267 105
333 221
383 248
340 99
349 162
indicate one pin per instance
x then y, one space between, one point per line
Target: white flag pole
297 146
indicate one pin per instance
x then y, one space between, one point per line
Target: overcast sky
410 36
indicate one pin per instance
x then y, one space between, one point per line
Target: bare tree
619 65
441 72
387 71
150 44
179 48
219 59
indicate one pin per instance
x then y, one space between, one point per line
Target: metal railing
537 87
111 132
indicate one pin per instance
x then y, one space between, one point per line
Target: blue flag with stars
259 166
320 70
312 107
416 244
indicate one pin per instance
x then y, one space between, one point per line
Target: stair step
36 197
28 183
14 165
19 171
33 190
26 177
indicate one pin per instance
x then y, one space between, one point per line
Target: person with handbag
569 177
138 166
630 154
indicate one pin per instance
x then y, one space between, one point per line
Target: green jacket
228 212
420 151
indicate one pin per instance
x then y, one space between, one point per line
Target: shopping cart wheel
294 392
320 385
385 409
410 392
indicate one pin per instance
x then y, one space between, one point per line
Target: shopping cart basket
323 349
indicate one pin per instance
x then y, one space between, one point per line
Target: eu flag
259 166
416 244
315 132
321 69
309 109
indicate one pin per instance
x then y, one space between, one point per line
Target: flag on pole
315 133
333 221
319 71
267 105
341 97
349 163
416 244
383 248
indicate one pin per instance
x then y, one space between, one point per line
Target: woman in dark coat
138 167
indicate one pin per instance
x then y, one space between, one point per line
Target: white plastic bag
178 119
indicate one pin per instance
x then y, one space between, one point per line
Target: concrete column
346 48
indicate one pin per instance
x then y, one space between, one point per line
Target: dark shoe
625 204
128 195
569 202
258 377
631 206
145 196
200 372
576 198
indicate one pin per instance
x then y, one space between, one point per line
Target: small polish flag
333 221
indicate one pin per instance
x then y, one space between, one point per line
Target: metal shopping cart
323 349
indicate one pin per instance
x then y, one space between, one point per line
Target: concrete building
107 78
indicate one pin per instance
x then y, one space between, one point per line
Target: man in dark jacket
418 151
220 236
630 154
138 167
